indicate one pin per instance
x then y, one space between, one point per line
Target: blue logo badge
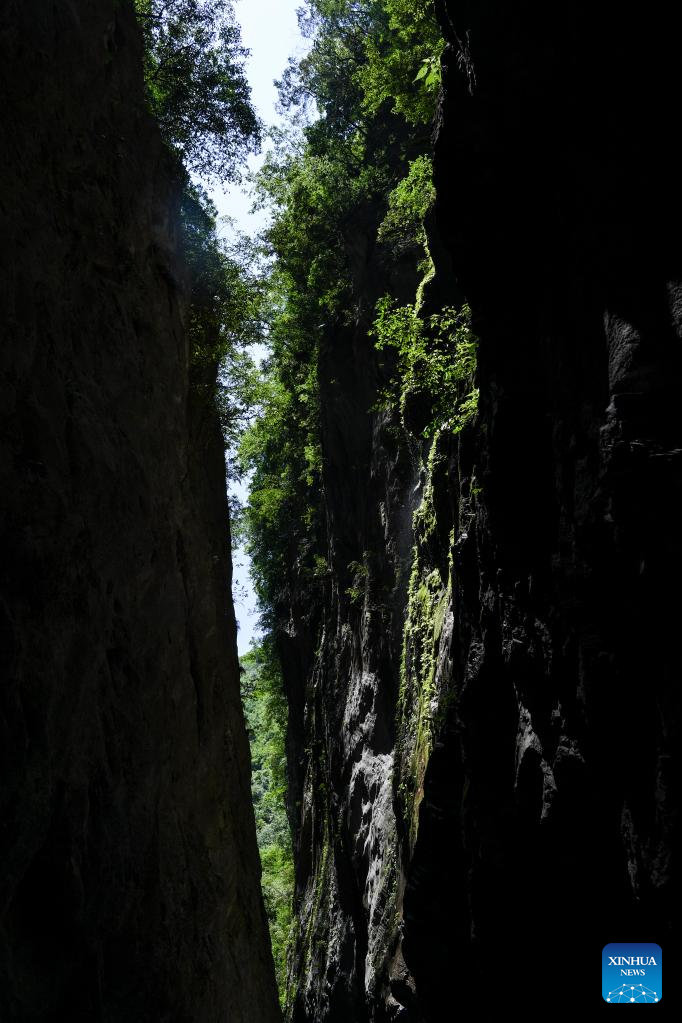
631 971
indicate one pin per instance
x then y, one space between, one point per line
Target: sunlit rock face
488 795
130 874
341 664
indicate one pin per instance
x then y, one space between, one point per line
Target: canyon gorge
464 520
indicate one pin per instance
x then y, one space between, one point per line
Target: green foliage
403 61
357 174
436 363
197 88
429 595
430 73
366 55
360 575
325 78
277 882
281 451
313 193
363 54
199 95
408 204
327 184
266 717
224 317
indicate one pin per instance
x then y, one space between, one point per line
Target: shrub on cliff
433 387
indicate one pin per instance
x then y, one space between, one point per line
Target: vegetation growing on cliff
328 181
408 204
198 93
428 595
349 188
436 364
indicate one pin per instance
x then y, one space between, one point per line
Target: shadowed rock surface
554 166
128 863
506 803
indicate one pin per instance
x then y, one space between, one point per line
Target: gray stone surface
534 812
129 873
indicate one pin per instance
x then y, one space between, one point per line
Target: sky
270 32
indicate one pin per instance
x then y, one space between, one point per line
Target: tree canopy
197 86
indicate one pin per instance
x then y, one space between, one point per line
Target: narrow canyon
464 456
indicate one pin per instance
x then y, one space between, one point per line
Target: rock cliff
130 873
485 704
483 682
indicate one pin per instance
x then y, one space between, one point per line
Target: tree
265 709
197 88
199 95
224 318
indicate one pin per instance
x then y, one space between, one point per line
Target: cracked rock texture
506 802
129 870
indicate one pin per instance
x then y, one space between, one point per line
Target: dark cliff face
130 874
341 662
553 172
492 785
